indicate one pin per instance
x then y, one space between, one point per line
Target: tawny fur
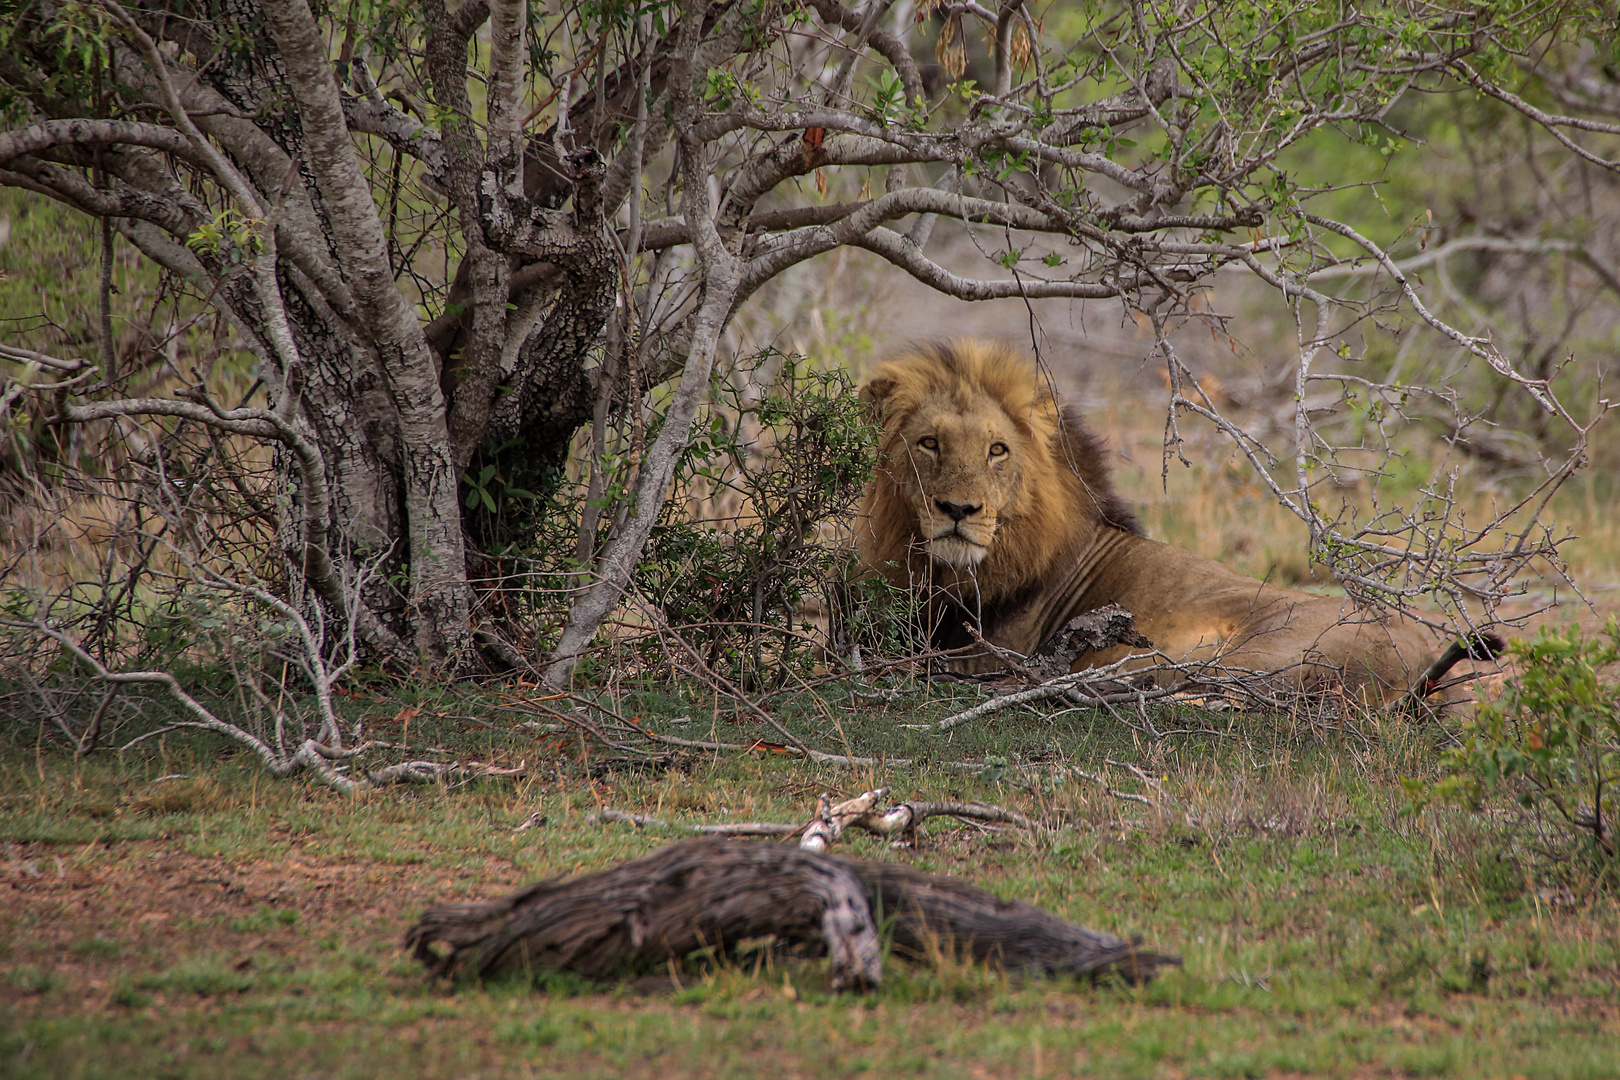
996 502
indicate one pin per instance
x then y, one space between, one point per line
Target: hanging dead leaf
1020 48
811 144
950 50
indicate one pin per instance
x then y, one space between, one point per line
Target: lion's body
996 502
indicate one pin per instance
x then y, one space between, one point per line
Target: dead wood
697 894
832 820
714 893
643 821
1090 631
862 812
931 911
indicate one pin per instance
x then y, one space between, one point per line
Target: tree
291 167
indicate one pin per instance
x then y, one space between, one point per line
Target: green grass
252 930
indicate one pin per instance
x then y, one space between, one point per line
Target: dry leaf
950 50
813 138
1020 49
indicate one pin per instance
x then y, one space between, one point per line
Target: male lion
995 500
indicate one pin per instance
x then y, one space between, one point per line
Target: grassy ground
175 914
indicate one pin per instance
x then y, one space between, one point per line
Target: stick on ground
832 820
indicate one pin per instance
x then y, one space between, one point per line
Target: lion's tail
1477 646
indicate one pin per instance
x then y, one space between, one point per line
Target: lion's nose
957 511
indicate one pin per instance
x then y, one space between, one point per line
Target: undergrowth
1551 742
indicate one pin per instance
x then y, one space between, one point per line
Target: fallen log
712 893
697 894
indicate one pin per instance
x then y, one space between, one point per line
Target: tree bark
721 279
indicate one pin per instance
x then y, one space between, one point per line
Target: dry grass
1217 507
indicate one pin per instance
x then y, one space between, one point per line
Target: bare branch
1480 347
1549 122
899 251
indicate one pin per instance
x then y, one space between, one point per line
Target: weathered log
931 911
715 893
697 894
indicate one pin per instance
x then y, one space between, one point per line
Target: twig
1108 789
818 756
643 821
831 820
1062 686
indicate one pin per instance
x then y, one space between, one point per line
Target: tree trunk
438 591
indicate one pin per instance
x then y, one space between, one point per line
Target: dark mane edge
1087 455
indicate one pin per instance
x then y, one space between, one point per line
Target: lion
994 498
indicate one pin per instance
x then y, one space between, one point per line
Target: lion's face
961 465
980 488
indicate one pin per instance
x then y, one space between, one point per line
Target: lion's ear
876 390
876 395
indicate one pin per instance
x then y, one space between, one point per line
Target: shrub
1552 740
751 560
755 535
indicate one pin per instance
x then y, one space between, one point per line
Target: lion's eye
998 450
929 443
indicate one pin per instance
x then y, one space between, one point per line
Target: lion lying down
995 499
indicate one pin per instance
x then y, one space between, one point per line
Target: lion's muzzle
957 511
961 543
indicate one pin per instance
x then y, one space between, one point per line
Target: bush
1552 740
751 559
754 540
